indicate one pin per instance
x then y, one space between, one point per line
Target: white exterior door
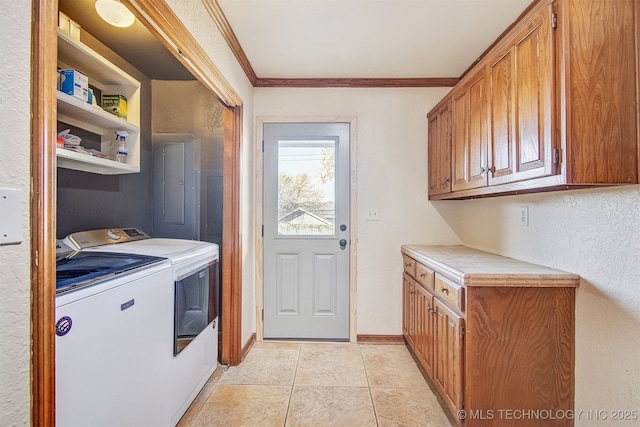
306 230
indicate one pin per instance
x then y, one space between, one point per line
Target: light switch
10 216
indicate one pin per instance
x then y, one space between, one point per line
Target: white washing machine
195 267
111 323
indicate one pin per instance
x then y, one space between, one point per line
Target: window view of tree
306 190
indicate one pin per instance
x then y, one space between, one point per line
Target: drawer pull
444 290
422 275
407 265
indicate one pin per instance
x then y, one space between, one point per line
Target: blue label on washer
63 326
127 304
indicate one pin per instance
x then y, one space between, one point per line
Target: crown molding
359 83
220 19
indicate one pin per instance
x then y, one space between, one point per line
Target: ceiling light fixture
115 13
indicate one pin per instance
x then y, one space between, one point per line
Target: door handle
343 243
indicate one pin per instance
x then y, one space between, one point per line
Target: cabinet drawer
424 275
409 265
449 291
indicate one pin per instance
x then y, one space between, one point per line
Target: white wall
199 23
391 175
15 322
593 233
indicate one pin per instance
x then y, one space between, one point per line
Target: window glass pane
306 188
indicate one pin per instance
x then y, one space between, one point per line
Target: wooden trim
358 83
247 346
213 7
231 239
160 19
380 339
43 210
637 24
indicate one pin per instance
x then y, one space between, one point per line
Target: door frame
160 19
258 214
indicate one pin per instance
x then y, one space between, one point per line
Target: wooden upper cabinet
557 100
600 56
469 133
439 149
521 103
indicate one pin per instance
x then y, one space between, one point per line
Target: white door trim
257 190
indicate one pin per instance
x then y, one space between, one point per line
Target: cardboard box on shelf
115 104
74 83
74 29
64 22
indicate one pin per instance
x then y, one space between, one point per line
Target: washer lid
81 269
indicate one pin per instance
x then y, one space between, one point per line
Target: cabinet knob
491 169
446 180
407 265
422 275
444 290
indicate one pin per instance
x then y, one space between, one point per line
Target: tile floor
318 384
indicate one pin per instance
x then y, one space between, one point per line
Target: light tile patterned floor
318 384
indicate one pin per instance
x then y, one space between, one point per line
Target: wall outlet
373 214
523 216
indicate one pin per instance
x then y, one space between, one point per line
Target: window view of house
306 188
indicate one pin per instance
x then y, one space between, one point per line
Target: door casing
258 191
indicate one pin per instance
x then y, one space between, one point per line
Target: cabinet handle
444 290
430 310
407 265
422 275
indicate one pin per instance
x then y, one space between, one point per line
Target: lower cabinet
493 346
448 345
408 303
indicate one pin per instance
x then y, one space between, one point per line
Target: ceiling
329 39
367 38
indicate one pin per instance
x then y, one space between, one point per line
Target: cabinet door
448 354
424 342
439 151
408 290
521 104
469 134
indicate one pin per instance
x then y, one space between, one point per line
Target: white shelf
75 112
72 160
93 65
74 107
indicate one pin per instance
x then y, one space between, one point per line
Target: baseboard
380 339
247 346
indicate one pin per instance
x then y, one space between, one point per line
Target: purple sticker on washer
63 326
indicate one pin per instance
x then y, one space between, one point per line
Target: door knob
343 243
343 227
